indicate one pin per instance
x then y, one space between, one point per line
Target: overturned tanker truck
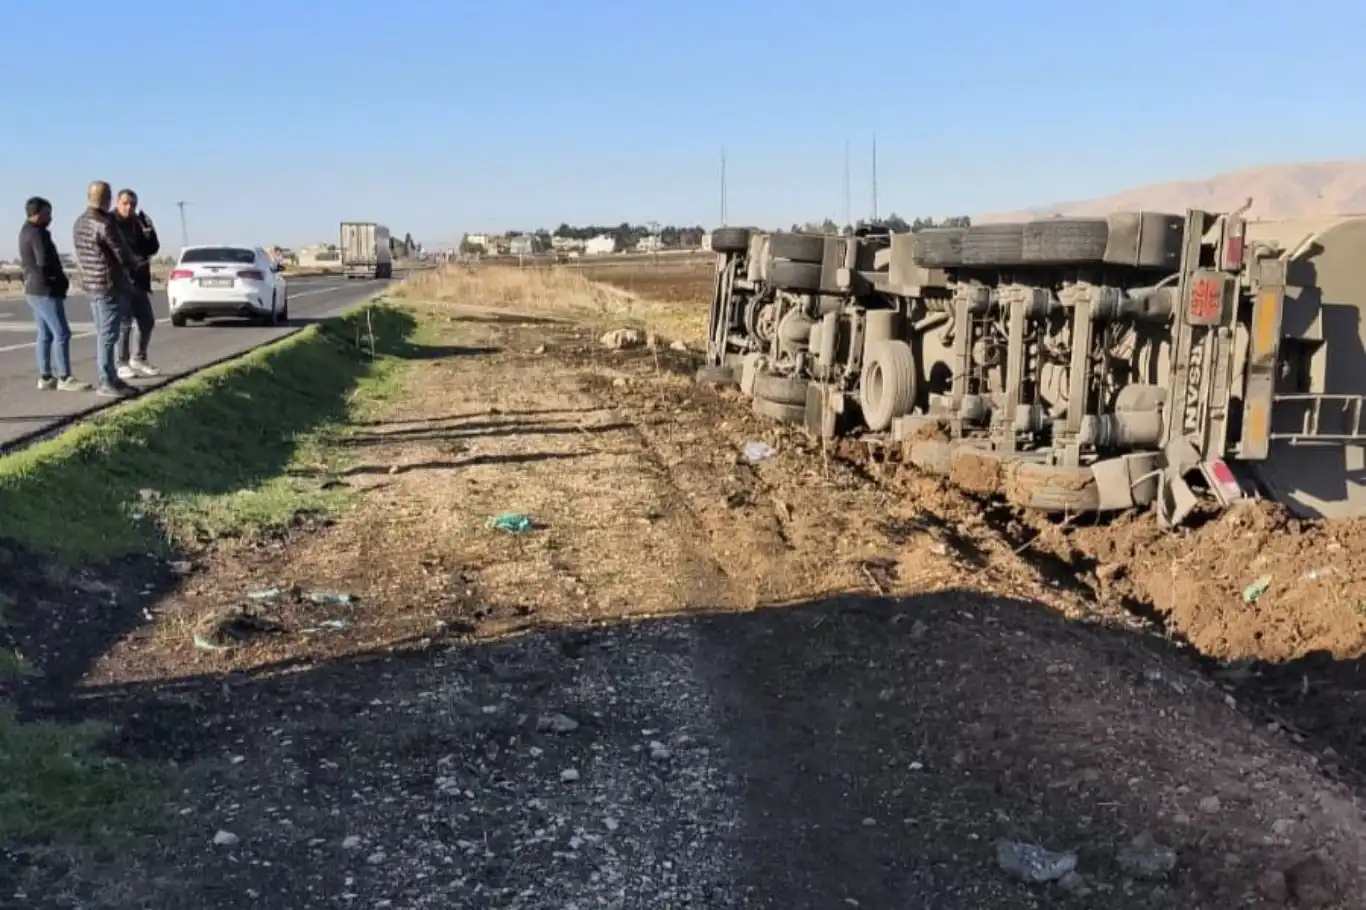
1073 365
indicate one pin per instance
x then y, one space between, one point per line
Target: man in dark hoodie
141 237
105 264
45 288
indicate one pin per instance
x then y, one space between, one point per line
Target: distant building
706 241
526 245
601 245
318 255
650 244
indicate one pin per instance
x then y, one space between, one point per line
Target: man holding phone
140 235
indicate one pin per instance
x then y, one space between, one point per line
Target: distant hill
1277 191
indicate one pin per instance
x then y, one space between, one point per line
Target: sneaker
143 368
46 383
107 390
126 371
72 384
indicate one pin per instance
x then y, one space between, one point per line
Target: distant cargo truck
365 250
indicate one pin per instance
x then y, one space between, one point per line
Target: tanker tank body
1316 461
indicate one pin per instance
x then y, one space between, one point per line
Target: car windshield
219 254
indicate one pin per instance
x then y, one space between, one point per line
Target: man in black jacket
45 288
105 265
141 237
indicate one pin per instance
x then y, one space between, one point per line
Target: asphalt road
25 411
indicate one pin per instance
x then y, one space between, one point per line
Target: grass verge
231 448
59 787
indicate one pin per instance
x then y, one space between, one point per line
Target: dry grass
555 293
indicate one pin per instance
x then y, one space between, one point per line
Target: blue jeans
108 318
54 336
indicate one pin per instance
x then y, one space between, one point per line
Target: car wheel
178 320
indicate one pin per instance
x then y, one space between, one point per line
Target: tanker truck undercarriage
1072 365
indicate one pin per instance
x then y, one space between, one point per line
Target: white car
227 281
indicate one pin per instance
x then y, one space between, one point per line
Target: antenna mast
723 186
847 215
184 230
874 177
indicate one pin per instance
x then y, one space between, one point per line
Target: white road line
89 332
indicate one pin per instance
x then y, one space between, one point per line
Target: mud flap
1114 487
749 369
824 408
1176 500
1125 482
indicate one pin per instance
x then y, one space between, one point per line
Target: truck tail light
1223 484
1232 254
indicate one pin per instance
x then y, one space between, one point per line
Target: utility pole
848 215
184 230
875 177
723 186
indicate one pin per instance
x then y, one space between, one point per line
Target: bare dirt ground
817 680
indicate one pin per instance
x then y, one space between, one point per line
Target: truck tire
993 244
797 247
887 385
795 276
730 240
780 389
1065 240
783 413
1150 240
1052 489
938 247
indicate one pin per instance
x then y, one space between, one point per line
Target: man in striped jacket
105 264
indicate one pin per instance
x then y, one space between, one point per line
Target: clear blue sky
277 120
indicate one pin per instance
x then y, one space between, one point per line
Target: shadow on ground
852 751
81 557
